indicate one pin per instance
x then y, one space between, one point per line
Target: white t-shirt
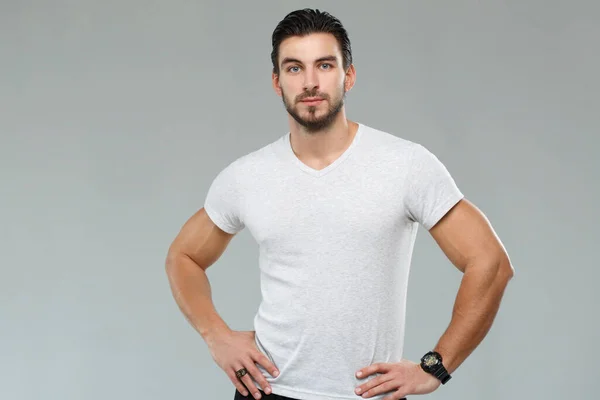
335 249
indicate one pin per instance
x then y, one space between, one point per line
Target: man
334 206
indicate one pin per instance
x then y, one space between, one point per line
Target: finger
370 384
389 386
371 369
236 381
247 381
399 394
259 377
264 362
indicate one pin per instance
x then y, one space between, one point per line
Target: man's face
312 67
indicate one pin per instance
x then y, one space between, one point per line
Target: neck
323 146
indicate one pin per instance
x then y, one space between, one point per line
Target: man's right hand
234 350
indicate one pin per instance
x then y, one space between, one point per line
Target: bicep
200 240
466 237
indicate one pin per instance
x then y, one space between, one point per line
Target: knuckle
252 372
256 372
266 362
260 378
248 382
261 358
241 388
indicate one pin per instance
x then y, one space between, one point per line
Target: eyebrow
287 60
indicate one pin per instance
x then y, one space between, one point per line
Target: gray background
117 115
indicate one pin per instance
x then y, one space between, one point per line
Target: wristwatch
432 364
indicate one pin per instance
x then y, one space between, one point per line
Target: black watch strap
442 374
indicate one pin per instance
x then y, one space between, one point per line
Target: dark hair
307 21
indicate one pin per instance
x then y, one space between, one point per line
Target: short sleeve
223 199
431 190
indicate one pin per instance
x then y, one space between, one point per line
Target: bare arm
197 246
469 242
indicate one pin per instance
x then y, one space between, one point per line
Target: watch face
430 360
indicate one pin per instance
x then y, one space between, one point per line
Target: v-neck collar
289 154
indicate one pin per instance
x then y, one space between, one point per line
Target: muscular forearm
475 308
192 292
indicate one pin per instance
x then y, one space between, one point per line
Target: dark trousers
263 395
272 396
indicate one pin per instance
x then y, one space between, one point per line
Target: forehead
310 47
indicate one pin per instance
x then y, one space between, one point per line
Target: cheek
289 90
338 84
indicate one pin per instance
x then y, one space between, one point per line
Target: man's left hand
402 378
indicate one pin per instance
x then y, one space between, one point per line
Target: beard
311 121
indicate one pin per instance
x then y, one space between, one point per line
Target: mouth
311 101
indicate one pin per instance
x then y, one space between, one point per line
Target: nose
311 80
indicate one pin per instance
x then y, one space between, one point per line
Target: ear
350 78
275 80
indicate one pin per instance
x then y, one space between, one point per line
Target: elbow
171 261
178 261
496 270
505 271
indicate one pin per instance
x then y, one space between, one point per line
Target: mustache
315 94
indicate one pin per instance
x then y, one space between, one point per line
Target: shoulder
408 157
249 164
391 144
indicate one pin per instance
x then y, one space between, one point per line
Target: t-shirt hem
218 221
437 215
306 395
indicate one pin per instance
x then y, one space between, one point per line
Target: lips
312 101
